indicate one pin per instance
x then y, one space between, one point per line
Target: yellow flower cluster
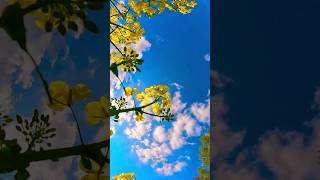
63 96
157 93
125 176
127 61
124 30
129 91
97 111
152 7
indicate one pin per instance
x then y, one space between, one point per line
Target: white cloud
141 46
159 134
291 155
184 123
177 86
207 57
219 80
169 168
155 152
177 104
201 111
138 131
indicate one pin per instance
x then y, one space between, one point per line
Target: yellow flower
59 92
140 118
166 103
61 97
140 96
129 176
96 111
128 91
80 92
156 108
134 91
144 103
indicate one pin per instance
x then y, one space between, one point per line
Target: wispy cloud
207 57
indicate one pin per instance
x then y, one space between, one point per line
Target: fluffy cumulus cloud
291 155
169 168
177 104
154 152
159 134
138 131
285 154
184 124
201 111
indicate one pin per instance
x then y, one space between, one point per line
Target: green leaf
91 26
19 119
86 163
48 26
62 30
22 174
73 26
18 128
2 134
114 69
12 23
97 5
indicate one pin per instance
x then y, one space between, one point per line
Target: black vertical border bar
107 53
212 20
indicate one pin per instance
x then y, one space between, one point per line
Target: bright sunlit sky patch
176 53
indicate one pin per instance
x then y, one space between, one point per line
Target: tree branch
91 150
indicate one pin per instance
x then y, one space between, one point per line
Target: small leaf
114 69
12 23
2 134
91 26
18 128
86 163
22 174
62 30
48 26
73 26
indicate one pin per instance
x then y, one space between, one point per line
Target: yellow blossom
96 111
140 118
61 97
140 96
128 91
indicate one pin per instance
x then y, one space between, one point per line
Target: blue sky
270 50
178 46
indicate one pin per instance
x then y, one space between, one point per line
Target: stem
54 154
118 25
136 108
154 114
78 126
43 80
117 9
117 48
